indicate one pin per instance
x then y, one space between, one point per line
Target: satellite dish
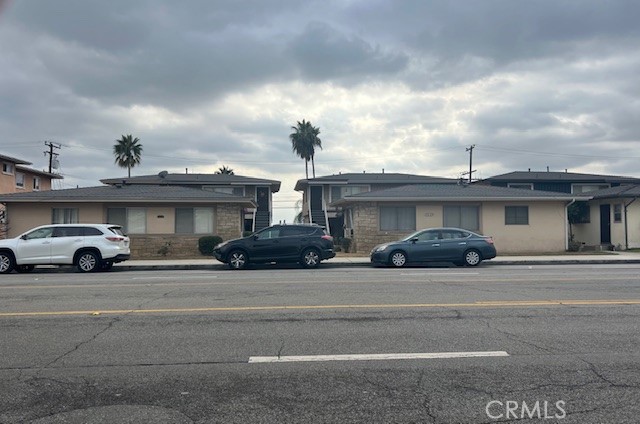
163 174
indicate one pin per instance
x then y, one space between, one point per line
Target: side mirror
414 240
255 237
23 237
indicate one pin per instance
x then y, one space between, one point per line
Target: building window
617 213
36 183
523 186
236 191
467 217
338 192
586 188
7 168
194 220
64 216
133 220
516 215
19 180
397 218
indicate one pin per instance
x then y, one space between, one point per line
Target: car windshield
412 236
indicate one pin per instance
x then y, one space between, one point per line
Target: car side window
271 233
296 231
428 236
67 232
40 233
451 234
91 231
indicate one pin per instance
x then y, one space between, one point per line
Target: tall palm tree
225 170
127 151
304 140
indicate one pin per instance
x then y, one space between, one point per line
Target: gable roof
623 191
570 177
373 178
163 178
14 160
448 192
127 194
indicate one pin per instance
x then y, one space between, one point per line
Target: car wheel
310 258
7 263
106 266
87 262
238 259
472 257
25 268
398 259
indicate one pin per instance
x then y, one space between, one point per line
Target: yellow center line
479 304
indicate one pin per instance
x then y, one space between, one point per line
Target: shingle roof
442 192
127 193
527 176
194 179
623 191
374 178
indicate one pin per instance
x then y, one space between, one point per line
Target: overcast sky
402 85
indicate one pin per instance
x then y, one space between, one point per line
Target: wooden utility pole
471 170
51 154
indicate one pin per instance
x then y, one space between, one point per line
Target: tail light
327 237
489 240
115 239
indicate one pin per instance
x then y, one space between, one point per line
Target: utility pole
51 154
471 170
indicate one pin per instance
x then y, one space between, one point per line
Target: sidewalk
355 261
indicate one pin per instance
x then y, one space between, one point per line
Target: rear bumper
119 258
328 254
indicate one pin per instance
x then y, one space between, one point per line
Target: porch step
598 248
263 220
318 217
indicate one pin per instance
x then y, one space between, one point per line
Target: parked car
89 247
307 244
462 247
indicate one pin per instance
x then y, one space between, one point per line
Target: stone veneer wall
182 246
366 231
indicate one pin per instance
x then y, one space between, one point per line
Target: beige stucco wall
546 231
24 216
589 234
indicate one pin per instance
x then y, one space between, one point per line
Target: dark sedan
462 247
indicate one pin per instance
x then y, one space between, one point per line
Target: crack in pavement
514 337
608 381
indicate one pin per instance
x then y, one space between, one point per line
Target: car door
265 245
425 246
453 244
34 247
64 244
292 240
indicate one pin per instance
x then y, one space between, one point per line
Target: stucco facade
545 232
625 231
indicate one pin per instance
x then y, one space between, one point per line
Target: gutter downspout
626 225
566 224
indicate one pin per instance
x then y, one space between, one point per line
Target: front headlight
218 246
381 248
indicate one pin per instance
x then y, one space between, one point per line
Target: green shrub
207 243
346 244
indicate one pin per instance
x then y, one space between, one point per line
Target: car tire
87 261
25 268
398 259
238 259
472 257
7 262
310 258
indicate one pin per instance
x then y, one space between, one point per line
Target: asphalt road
556 343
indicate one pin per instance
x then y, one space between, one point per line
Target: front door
605 224
316 198
262 199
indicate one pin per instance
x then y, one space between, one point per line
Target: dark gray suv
307 244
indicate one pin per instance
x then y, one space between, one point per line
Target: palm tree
127 151
225 170
304 140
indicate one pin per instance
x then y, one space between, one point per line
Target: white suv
89 247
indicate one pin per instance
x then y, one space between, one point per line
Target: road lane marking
477 304
373 357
